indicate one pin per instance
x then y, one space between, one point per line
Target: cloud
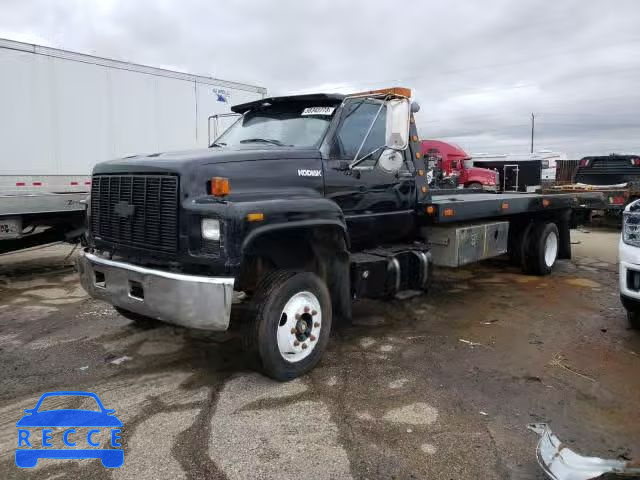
479 69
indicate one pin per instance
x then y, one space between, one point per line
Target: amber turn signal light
255 217
219 187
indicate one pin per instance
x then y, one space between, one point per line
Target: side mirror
397 134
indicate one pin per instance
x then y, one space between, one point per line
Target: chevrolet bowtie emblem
124 209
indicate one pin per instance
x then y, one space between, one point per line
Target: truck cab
456 162
304 204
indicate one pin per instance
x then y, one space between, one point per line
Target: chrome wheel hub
299 326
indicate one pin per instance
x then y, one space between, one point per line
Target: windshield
292 125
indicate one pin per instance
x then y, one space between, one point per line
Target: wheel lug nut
296 343
306 309
313 312
317 324
304 345
312 338
297 316
293 330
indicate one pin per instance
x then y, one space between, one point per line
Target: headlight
631 228
210 229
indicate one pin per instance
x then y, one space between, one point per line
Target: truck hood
182 161
481 173
254 173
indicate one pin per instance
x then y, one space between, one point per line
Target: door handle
362 188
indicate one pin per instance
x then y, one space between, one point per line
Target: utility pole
533 126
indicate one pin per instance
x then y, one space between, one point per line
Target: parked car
629 256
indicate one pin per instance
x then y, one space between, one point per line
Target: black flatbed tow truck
304 204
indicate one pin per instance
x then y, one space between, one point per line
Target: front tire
289 325
474 186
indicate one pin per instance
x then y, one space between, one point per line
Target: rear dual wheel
289 324
536 247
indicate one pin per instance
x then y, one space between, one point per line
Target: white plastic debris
120 360
561 463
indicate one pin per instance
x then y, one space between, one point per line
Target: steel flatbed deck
454 206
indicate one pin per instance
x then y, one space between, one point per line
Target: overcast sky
477 68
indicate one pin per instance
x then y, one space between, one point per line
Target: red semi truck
453 161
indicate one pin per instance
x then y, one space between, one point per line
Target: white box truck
63 112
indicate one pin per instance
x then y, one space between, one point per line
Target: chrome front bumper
186 300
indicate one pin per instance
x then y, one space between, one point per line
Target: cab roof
321 98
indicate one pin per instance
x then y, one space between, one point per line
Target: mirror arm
355 163
373 122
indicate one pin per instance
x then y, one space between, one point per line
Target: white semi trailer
62 112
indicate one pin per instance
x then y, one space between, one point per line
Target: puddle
414 414
428 448
49 293
398 383
366 342
582 282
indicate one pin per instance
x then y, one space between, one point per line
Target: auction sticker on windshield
318 110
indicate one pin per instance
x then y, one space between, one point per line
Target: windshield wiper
218 144
264 140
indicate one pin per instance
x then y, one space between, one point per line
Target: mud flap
564 246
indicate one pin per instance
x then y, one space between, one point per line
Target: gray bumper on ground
186 300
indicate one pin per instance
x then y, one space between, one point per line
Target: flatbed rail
449 208
615 197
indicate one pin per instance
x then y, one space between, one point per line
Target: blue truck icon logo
69 419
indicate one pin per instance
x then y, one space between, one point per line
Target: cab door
378 205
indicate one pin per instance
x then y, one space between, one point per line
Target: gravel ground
437 386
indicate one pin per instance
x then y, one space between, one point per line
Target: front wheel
290 323
474 186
